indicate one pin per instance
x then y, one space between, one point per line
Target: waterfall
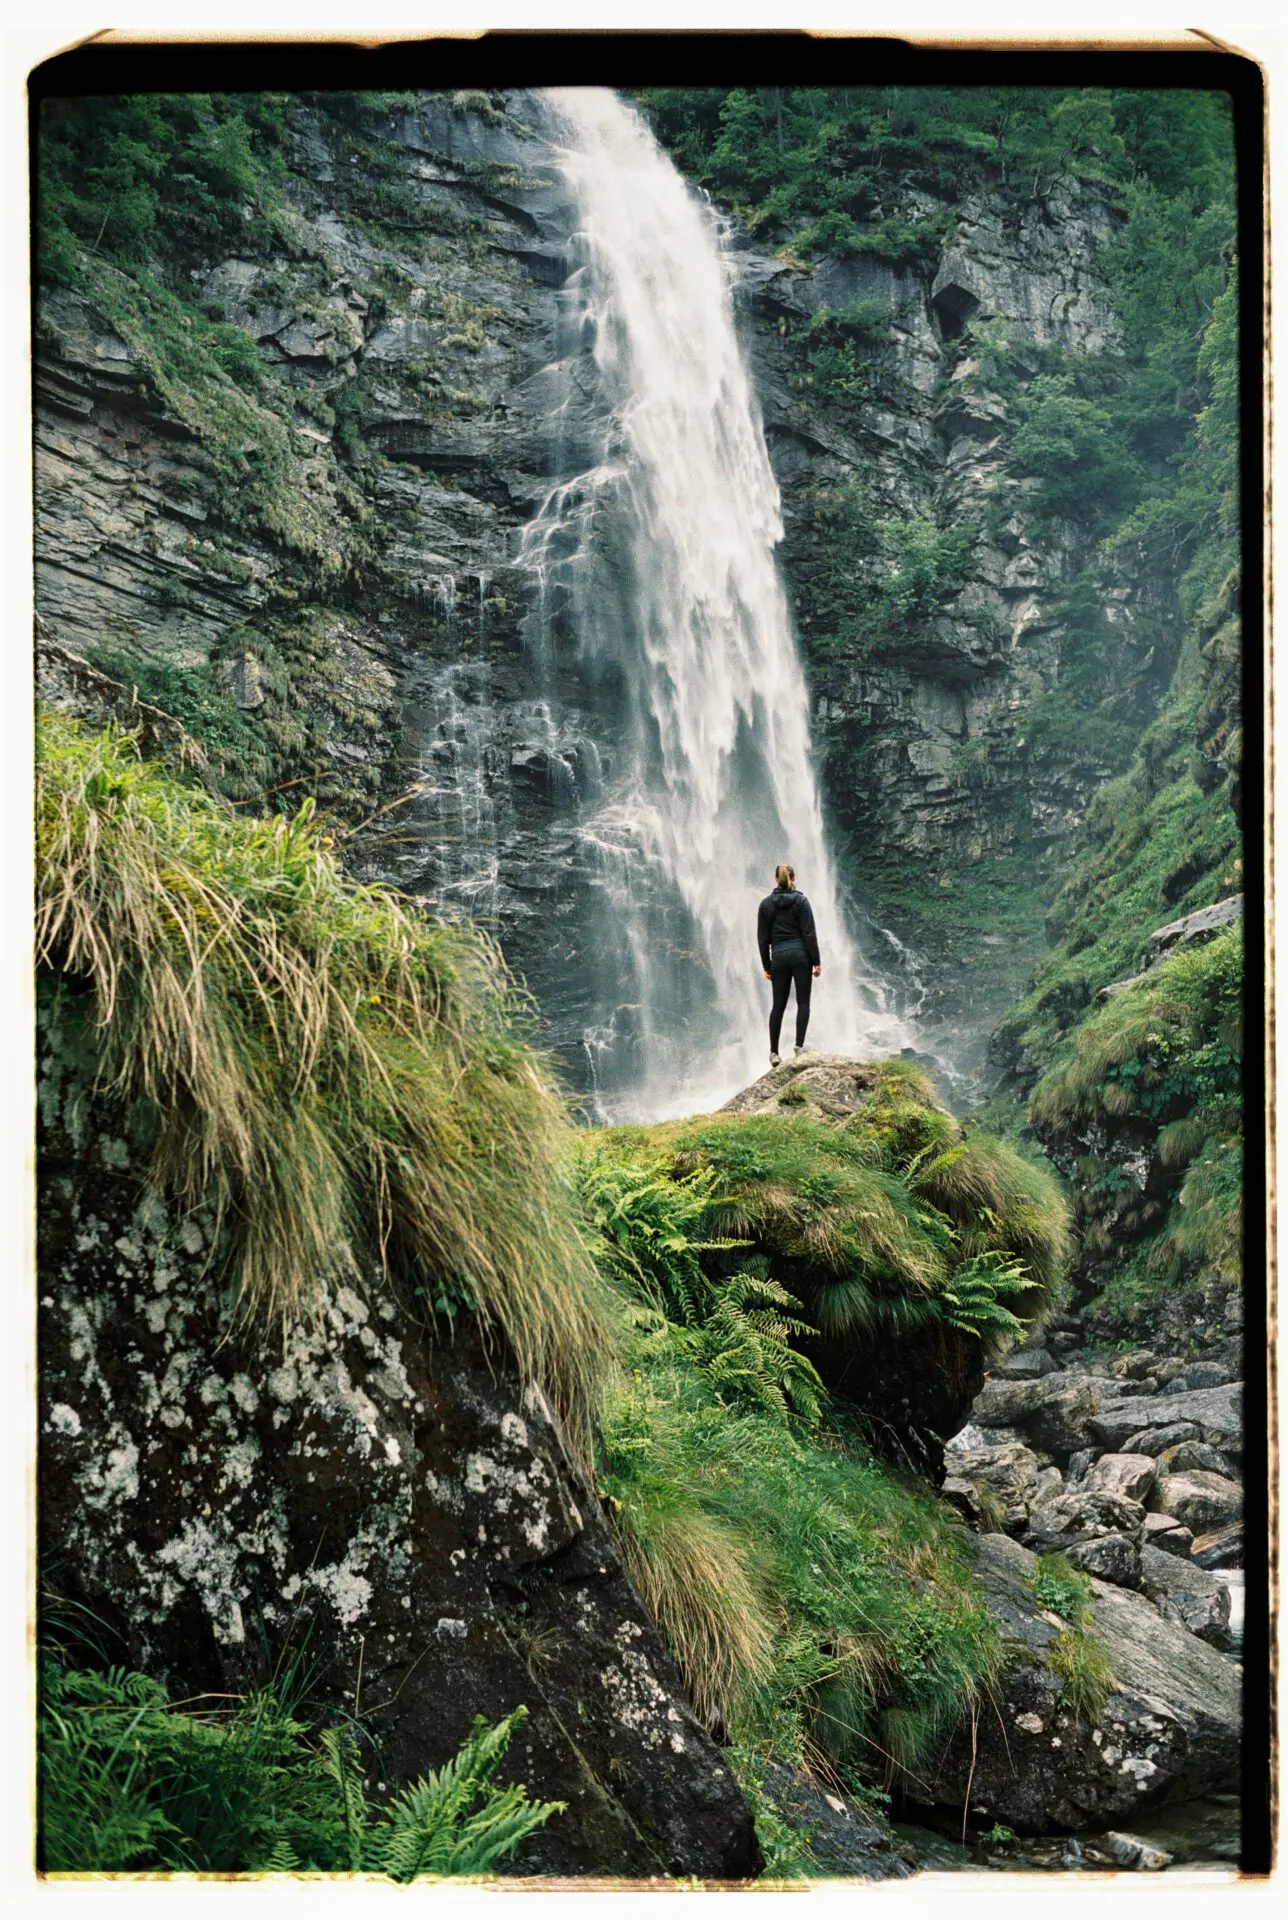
656 562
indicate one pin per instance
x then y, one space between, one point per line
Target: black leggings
792 966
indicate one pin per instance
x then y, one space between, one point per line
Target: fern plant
455 1820
743 1348
130 1782
974 1302
653 1226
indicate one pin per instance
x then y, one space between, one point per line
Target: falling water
663 547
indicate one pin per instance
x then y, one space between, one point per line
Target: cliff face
325 573
932 590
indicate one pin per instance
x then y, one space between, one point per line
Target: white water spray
666 543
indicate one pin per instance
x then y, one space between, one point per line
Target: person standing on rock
788 953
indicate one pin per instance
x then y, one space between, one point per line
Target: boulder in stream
1169 1729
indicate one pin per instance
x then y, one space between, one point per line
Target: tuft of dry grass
692 1575
336 1078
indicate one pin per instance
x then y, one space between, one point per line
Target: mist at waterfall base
654 560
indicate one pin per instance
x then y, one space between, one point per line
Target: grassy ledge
336 1077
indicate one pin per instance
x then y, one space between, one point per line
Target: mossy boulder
916 1248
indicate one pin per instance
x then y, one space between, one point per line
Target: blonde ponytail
785 876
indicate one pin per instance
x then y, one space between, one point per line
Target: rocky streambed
1130 1468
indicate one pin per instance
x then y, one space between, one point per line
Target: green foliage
1086 1671
741 1348
879 581
1167 1049
974 1301
336 1081
815 164
141 176
1081 1663
652 1229
785 1848
815 1602
1076 452
892 1221
1062 1589
131 1783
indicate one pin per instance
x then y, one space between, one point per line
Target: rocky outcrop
911 1396
1192 930
383 1504
1119 1472
1169 1729
842 1839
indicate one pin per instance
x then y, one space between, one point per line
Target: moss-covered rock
914 1246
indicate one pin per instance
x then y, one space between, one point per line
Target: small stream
1201 1836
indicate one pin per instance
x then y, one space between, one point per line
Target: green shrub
1062 1588
892 1220
131 1783
1086 1671
815 1602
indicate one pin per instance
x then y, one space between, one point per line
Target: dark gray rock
1028 1363
1216 1414
1071 1517
1007 1403
1201 1600
1190 1456
1062 1424
1169 1731
220 1495
1222 1548
1198 1376
1163 1531
1193 929
1156 1440
1112 1557
1007 1476
844 1840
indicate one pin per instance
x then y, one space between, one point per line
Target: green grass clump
1167 1050
1163 1060
1084 1668
1086 1671
335 1078
889 1219
130 1782
815 1602
1062 1589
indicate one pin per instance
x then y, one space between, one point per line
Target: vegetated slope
984 382
1139 1099
783 1275
334 1085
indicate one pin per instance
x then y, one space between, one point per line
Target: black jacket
785 925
